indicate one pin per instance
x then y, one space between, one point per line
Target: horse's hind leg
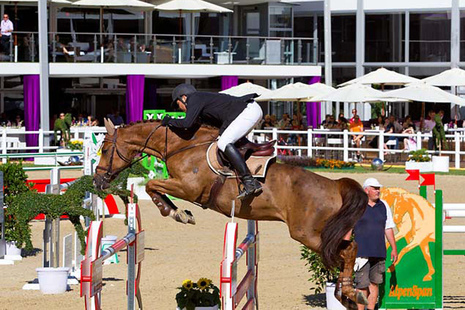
348 255
156 189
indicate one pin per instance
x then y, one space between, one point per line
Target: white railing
314 141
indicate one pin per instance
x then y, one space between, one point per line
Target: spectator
273 120
408 123
357 127
4 120
115 118
429 124
266 122
285 122
391 128
342 123
330 123
354 113
6 28
18 122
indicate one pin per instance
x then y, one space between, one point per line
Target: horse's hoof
360 298
179 216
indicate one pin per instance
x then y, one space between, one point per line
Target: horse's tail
354 202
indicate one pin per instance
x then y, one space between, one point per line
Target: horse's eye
104 151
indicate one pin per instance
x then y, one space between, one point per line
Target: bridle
164 157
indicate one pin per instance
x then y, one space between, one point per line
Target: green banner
160 114
412 282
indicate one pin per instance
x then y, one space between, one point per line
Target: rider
235 116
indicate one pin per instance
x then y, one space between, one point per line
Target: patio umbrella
423 92
384 77
452 77
189 6
113 4
245 89
352 93
296 92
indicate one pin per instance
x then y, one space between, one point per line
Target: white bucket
331 302
53 280
12 249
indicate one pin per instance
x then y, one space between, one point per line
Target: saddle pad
257 164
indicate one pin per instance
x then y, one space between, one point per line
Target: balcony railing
160 48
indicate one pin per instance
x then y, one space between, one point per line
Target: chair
270 53
335 154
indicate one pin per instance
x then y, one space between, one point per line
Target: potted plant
321 277
202 295
440 163
419 160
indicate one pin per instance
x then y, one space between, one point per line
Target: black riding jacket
214 109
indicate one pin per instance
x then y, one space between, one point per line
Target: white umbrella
452 77
424 93
34 2
245 89
113 4
296 92
382 76
352 93
190 6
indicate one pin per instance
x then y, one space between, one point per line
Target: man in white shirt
6 28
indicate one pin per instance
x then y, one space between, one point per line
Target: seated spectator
342 123
428 126
266 122
4 120
274 122
17 122
391 128
296 123
357 127
285 122
354 113
115 118
330 122
408 123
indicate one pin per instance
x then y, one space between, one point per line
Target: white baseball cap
371 182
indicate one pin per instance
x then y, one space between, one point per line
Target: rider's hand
166 120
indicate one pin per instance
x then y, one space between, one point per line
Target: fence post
345 140
457 149
41 140
419 140
381 145
275 137
4 159
310 143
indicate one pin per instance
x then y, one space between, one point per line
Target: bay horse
318 211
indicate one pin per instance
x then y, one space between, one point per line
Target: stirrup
243 193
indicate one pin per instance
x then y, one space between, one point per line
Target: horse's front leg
348 255
157 189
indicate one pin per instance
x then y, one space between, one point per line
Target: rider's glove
166 120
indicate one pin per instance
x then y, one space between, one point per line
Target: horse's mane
201 130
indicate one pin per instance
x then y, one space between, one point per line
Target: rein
164 157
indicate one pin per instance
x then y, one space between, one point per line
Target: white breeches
241 126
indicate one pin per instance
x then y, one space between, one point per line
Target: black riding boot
251 186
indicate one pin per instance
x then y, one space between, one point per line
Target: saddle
257 157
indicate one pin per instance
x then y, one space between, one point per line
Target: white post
275 137
345 139
16 53
419 140
381 145
457 149
4 145
41 140
310 143
102 54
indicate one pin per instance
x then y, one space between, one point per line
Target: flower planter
441 163
422 166
53 280
12 249
203 308
331 302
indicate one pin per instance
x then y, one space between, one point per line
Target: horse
417 232
318 211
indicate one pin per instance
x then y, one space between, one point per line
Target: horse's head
116 156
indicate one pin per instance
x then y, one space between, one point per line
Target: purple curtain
229 81
32 107
134 98
314 108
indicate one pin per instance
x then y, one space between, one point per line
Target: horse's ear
109 126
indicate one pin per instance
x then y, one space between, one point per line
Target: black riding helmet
182 89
